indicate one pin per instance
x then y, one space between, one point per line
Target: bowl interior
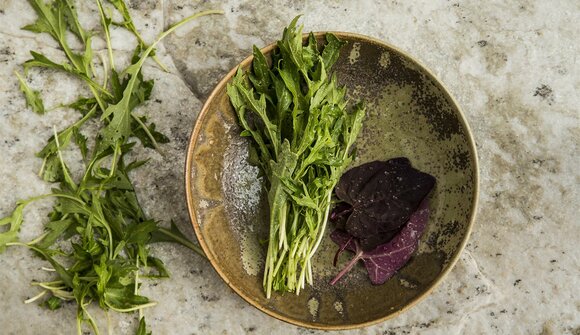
409 114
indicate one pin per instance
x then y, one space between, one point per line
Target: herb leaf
302 134
383 195
33 99
382 262
142 330
97 236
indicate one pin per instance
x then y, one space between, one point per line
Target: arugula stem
136 291
79 324
322 229
92 321
109 327
36 297
147 132
67 176
98 98
169 31
101 219
38 239
131 309
105 69
129 25
107 34
184 242
46 283
114 160
49 287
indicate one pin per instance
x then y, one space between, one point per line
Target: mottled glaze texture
408 114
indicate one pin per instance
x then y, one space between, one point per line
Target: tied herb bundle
302 134
97 237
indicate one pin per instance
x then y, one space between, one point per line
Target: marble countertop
513 67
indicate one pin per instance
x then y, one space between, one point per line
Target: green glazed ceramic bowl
409 113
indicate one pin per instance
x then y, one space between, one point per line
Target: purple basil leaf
339 211
383 195
386 259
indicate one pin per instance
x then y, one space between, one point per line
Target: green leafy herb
33 99
97 236
53 303
142 330
302 134
128 24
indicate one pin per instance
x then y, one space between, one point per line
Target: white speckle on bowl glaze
313 306
385 60
354 53
338 307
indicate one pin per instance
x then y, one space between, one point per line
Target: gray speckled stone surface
513 66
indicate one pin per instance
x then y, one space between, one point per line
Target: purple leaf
381 196
386 259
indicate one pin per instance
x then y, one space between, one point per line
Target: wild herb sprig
97 235
296 116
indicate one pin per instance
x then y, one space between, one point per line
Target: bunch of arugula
97 237
302 134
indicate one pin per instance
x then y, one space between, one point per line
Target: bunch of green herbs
302 133
97 236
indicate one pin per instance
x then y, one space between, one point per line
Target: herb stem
146 130
348 267
109 328
132 309
67 176
36 297
92 322
107 34
323 228
183 241
105 69
38 239
169 31
79 325
114 160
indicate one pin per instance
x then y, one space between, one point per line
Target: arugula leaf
39 60
97 226
119 126
55 20
158 265
331 50
72 21
53 303
302 135
142 330
83 105
173 234
15 221
33 99
144 133
128 24
55 230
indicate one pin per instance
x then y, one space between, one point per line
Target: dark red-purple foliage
382 217
386 259
382 196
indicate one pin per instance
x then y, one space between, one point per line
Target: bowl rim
193 217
